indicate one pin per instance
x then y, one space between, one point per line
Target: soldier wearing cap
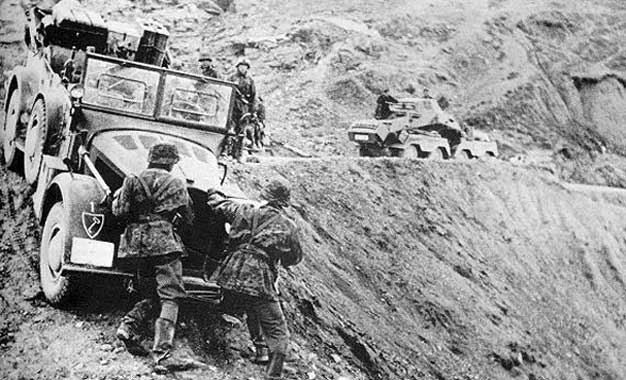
244 98
151 205
260 238
207 68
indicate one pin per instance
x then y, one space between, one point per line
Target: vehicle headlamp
77 91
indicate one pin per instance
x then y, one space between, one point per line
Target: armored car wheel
54 239
436 154
463 155
10 131
411 151
36 133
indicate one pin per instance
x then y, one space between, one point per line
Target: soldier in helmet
244 98
207 67
382 105
151 205
260 238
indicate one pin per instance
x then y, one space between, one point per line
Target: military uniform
207 68
382 106
244 103
260 238
149 204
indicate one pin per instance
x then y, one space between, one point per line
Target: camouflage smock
247 92
260 237
149 230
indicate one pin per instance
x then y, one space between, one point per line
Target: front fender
81 196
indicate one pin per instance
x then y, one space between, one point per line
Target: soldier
382 105
244 99
426 94
260 238
151 204
259 130
207 68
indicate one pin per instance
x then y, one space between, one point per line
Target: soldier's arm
294 256
122 199
223 206
252 95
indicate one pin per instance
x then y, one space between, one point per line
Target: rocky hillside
545 78
414 270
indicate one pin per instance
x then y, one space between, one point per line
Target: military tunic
260 237
244 100
149 230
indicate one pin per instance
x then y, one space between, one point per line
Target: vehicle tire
436 154
10 132
56 288
364 151
36 134
411 151
463 155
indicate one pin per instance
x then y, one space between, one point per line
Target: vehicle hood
126 151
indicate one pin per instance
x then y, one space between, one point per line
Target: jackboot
127 333
261 355
275 368
163 343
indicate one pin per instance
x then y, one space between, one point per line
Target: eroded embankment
416 270
437 270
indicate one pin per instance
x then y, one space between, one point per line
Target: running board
75 269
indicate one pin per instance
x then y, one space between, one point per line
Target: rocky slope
414 270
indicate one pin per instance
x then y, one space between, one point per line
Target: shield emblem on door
92 223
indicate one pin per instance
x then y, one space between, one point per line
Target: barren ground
414 270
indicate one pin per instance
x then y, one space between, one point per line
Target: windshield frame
156 114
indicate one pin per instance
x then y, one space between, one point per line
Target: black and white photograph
313 190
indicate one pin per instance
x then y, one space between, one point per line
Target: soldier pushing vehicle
151 204
260 238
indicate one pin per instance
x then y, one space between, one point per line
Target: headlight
77 91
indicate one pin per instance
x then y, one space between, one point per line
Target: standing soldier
207 68
260 238
152 204
382 105
244 100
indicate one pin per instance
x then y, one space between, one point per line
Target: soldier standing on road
260 238
244 99
207 68
152 204
382 105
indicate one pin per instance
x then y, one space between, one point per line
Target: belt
151 218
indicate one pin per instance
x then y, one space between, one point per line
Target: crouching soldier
150 204
260 238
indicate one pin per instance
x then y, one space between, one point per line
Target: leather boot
163 342
262 354
127 333
275 368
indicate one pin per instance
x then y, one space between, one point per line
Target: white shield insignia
93 223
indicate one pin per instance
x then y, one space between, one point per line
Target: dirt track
414 270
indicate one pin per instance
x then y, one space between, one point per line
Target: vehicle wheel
364 151
36 133
54 238
10 131
436 154
463 155
410 151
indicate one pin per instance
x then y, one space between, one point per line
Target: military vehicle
81 114
419 128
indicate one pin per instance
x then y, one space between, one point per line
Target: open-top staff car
78 128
